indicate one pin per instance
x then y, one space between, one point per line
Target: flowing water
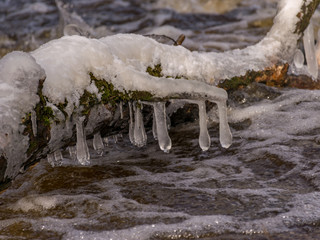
265 186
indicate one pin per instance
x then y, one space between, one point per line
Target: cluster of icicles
137 133
312 54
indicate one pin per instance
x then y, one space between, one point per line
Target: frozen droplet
121 109
98 143
131 127
224 130
139 135
115 138
204 138
106 141
55 159
298 59
72 152
161 124
154 127
309 47
58 158
50 158
83 154
34 122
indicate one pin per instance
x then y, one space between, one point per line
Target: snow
19 78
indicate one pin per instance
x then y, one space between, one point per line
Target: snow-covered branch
72 87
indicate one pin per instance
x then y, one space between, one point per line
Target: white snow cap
19 78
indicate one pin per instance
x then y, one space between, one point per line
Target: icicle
224 130
55 159
115 138
50 158
154 127
161 125
140 136
131 127
58 158
204 138
34 122
83 154
72 152
121 109
298 59
309 47
106 141
97 143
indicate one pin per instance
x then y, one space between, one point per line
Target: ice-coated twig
122 60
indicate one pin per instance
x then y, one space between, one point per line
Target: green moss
112 96
305 15
237 82
88 100
46 115
156 71
62 107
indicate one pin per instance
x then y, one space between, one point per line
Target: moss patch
156 71
88 100
112 96
276 76
62 107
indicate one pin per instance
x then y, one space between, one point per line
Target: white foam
35 203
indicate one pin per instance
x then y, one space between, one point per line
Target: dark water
265 186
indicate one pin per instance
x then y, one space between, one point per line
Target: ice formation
98 143
309 47
298 59
72 152
122 60
83 154
204 138
160 115
131 125
154 127
139 133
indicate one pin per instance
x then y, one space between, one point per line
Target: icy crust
19 80
124 58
